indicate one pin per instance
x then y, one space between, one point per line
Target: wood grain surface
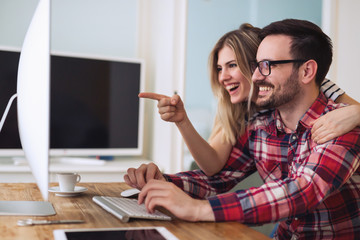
82 207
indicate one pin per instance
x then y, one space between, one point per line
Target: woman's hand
169 196
335 123
138 177
171 109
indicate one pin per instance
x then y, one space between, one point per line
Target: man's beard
284 94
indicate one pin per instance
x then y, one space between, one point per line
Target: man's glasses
265 66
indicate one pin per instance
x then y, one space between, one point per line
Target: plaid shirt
314 190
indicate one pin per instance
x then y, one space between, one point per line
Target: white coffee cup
67 181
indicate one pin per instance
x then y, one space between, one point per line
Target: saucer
76 191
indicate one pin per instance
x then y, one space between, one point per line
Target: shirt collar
307 120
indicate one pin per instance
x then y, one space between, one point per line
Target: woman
231 83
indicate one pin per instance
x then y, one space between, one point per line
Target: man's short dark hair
308 42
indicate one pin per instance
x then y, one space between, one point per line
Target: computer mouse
132 192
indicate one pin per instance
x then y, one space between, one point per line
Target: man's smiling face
282 85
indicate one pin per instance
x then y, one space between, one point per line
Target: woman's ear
309 71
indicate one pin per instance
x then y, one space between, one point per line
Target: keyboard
126 208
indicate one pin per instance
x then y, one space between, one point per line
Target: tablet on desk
143 233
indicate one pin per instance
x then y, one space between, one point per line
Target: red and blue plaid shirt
314 190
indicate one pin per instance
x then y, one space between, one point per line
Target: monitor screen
94 107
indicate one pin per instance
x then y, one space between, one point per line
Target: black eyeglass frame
254 64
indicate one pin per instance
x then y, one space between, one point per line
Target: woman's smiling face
230 76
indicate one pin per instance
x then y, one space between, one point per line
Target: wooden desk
82 207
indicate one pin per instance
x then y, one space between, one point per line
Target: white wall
107 27
341 19
162 43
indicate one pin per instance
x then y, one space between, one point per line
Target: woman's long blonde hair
230 119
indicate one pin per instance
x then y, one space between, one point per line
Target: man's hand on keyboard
138 177
168 195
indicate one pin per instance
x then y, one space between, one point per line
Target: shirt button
296 219
294 137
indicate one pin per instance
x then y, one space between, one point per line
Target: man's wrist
205 212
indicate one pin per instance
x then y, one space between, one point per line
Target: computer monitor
94 106
95 109
96 114
33 93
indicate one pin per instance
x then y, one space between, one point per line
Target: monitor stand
26 208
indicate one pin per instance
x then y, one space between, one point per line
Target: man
312 189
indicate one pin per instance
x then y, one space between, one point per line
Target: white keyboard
126 208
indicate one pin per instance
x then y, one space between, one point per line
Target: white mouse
130 192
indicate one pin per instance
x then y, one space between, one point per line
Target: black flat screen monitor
94 105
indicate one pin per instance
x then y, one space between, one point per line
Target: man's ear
309 71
